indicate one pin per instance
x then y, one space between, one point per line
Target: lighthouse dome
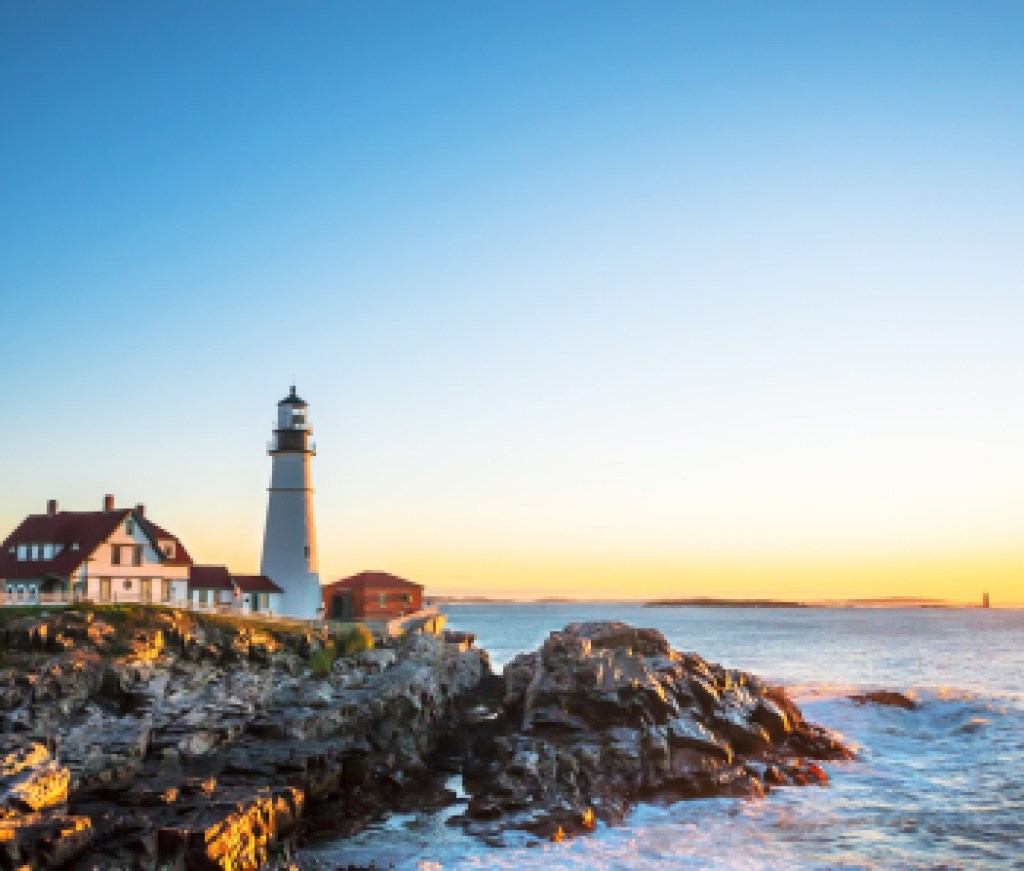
293 399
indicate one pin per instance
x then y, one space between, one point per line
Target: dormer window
168 548
47 551
22 552
35 552
74 545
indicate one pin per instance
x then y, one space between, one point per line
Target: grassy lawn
131 615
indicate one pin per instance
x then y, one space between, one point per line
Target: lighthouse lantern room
289 539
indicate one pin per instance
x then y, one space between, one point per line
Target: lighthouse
289 540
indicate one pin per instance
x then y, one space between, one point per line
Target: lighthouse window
305 551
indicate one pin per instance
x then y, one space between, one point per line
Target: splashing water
940 786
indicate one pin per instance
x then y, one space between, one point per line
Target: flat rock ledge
148 738
606 714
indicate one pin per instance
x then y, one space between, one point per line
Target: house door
341 606
104 589
146 589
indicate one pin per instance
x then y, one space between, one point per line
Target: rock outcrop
149 738
885 698
605 714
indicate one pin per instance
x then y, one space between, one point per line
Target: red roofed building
112 555
215 588
371 596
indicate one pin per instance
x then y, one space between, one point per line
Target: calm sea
939 787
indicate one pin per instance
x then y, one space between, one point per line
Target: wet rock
605 712
887 698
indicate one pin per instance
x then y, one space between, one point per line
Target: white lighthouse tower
289 540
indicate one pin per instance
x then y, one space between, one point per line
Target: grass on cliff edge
139 615
129 616
350 640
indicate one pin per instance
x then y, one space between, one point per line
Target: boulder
609 713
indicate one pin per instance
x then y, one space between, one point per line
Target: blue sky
668 287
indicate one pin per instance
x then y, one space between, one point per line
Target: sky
622 300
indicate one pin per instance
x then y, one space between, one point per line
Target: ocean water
938 787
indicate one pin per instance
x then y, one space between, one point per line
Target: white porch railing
32 598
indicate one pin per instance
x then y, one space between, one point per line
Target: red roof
86 529
374 580
159 534
209 578
255 584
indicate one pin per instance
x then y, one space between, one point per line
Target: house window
166 589
129 526
115 554
406 598
127 583
203 597
382 599
137 555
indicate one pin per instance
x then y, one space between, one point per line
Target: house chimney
140 509
108 503
51 507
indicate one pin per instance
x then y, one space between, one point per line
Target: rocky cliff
147 738
605 714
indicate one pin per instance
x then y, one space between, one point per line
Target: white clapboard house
111 555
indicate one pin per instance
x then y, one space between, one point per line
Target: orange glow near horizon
953 576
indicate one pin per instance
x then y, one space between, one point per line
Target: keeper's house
371 596
112 555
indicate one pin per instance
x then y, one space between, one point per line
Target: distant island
723 603
712 602
881 602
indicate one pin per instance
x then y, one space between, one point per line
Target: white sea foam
939 786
